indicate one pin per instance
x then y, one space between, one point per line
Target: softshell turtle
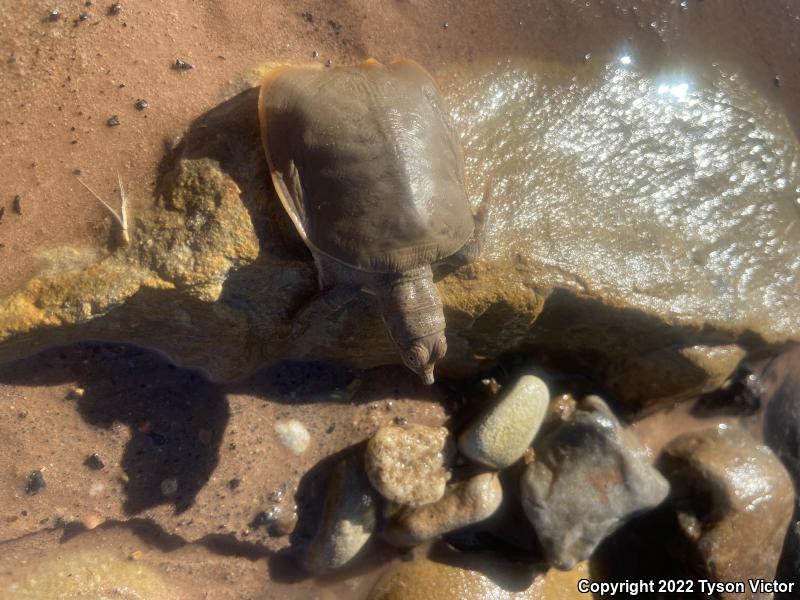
368 166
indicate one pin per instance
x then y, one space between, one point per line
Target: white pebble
293 435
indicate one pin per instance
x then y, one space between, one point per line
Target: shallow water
679 193
683 188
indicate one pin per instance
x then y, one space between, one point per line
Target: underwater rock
734 501
782 417
676 373
782 435
587 479
86 573
122 561
446 574
409 465
646 236
500 436
348 519
464 503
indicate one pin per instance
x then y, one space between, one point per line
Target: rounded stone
734 502
588 478
293 435
500 436
348 519
446 574
464 503
408 465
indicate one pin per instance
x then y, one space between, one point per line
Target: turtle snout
437 351
422 356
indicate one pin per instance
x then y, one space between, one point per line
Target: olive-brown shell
366 163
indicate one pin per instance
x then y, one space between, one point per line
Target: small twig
124 210
121 219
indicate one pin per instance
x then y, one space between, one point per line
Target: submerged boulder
446 574
782 435
734 501
587 479
645 235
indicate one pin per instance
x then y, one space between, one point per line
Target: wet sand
61 81
149 422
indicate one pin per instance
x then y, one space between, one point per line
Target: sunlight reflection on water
673 192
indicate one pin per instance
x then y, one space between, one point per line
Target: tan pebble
92 520
464 503
561 408
136 555
529 456
408 465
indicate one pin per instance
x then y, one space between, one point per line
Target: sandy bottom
149 423
153 424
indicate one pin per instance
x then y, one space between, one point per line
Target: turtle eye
416 356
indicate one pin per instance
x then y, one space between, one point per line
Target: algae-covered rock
450 575
200 231
500 436
646 235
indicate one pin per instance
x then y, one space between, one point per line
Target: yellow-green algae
450 575
90 575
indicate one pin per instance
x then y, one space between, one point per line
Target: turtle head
422 354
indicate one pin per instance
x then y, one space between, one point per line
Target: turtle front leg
339 295
337 288
321 307
338 283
